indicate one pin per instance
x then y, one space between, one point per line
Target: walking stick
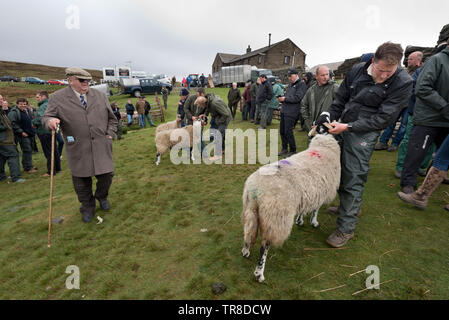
51 182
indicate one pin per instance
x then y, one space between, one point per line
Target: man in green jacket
234 97
191 110
44 135
430 116
318 97
21 117
221 113
278 90
8 150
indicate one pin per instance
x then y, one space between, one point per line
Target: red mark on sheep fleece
314 153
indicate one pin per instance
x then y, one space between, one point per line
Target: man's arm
305 109
425 85
112 120
188 108
14 117
388 110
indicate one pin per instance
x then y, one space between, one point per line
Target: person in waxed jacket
263 98
290 112
369 99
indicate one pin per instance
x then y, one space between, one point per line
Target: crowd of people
375 95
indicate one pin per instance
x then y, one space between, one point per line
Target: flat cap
292 71
78 72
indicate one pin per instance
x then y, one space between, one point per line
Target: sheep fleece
276 192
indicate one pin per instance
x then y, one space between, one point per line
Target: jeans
130 119
388 132
441 160
246 111
46 147
150 122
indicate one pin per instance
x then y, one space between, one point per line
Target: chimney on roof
269 39
248 50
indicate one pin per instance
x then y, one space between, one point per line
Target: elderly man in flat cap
89 126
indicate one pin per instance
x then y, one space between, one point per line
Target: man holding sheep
369 99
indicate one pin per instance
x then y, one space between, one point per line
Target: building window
286 59
259 61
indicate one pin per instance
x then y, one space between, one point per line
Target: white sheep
276 192
166 139
169 125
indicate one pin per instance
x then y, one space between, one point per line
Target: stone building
277 56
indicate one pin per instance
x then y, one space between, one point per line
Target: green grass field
151 244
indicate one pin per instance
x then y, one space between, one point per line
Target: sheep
276 192
166 139
169 125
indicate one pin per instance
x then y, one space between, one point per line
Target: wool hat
184 92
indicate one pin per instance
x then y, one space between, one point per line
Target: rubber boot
420 197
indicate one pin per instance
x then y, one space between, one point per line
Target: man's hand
109 137
24 134
338 128
194 118
53 123
281 99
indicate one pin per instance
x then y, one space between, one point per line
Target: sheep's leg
313 218
262 259
300 220
246 251
158 158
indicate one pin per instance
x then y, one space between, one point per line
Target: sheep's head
326 141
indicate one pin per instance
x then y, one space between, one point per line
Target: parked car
9 79
34 80
55 82
137 87
65 82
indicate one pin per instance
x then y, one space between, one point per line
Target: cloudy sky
178 37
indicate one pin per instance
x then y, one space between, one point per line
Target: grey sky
179 37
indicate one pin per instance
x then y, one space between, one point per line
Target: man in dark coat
89 126
8 150
290 111
430 116
263 99
234 96
369 99
21 118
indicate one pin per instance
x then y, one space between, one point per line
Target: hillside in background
19 69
